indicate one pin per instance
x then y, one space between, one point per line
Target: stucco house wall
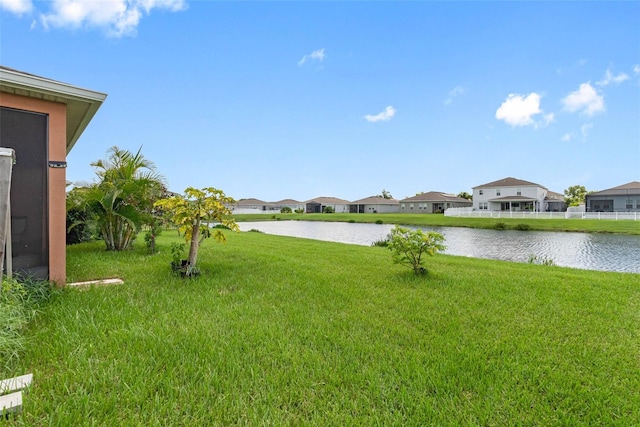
68 110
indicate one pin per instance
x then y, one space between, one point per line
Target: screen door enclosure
26 133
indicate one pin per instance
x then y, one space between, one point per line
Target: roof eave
86 101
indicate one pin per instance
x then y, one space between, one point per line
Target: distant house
41 120
512 194
318 205
432 202
252 205
374 204
555 202
623 198
288 203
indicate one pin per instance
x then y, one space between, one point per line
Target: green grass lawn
286 331
580 225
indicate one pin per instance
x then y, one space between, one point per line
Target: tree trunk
195 243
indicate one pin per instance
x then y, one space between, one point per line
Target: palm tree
122 201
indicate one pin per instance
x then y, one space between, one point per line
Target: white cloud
316 55
586 99
117 17
16 6
636 69
566 137
519 110
456 91
610 78
584 129
547 119
383 116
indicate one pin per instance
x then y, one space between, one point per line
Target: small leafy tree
408 246
328 209
465 195
575 195
194 213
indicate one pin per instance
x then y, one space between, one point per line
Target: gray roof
375 200
630 188
328 201
250 202
509 182
436 196
287 202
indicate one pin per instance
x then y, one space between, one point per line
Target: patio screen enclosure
26 133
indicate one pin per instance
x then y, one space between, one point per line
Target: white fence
470 213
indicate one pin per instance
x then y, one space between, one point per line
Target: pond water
591 251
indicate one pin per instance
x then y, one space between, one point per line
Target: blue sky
279 100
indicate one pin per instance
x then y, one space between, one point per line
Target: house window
497 192
483 205
638 204
411 206
481 192
629 204
519 192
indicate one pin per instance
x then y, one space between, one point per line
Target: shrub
523 227
122 201
382 242
177 251
379 221
328 209
500 226
352 221
299 211
541 260
409 246
78 226
285 209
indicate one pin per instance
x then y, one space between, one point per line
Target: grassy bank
578 225
285 331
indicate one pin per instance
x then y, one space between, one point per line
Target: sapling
408 246
194 213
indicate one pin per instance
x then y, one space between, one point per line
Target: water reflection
607 252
